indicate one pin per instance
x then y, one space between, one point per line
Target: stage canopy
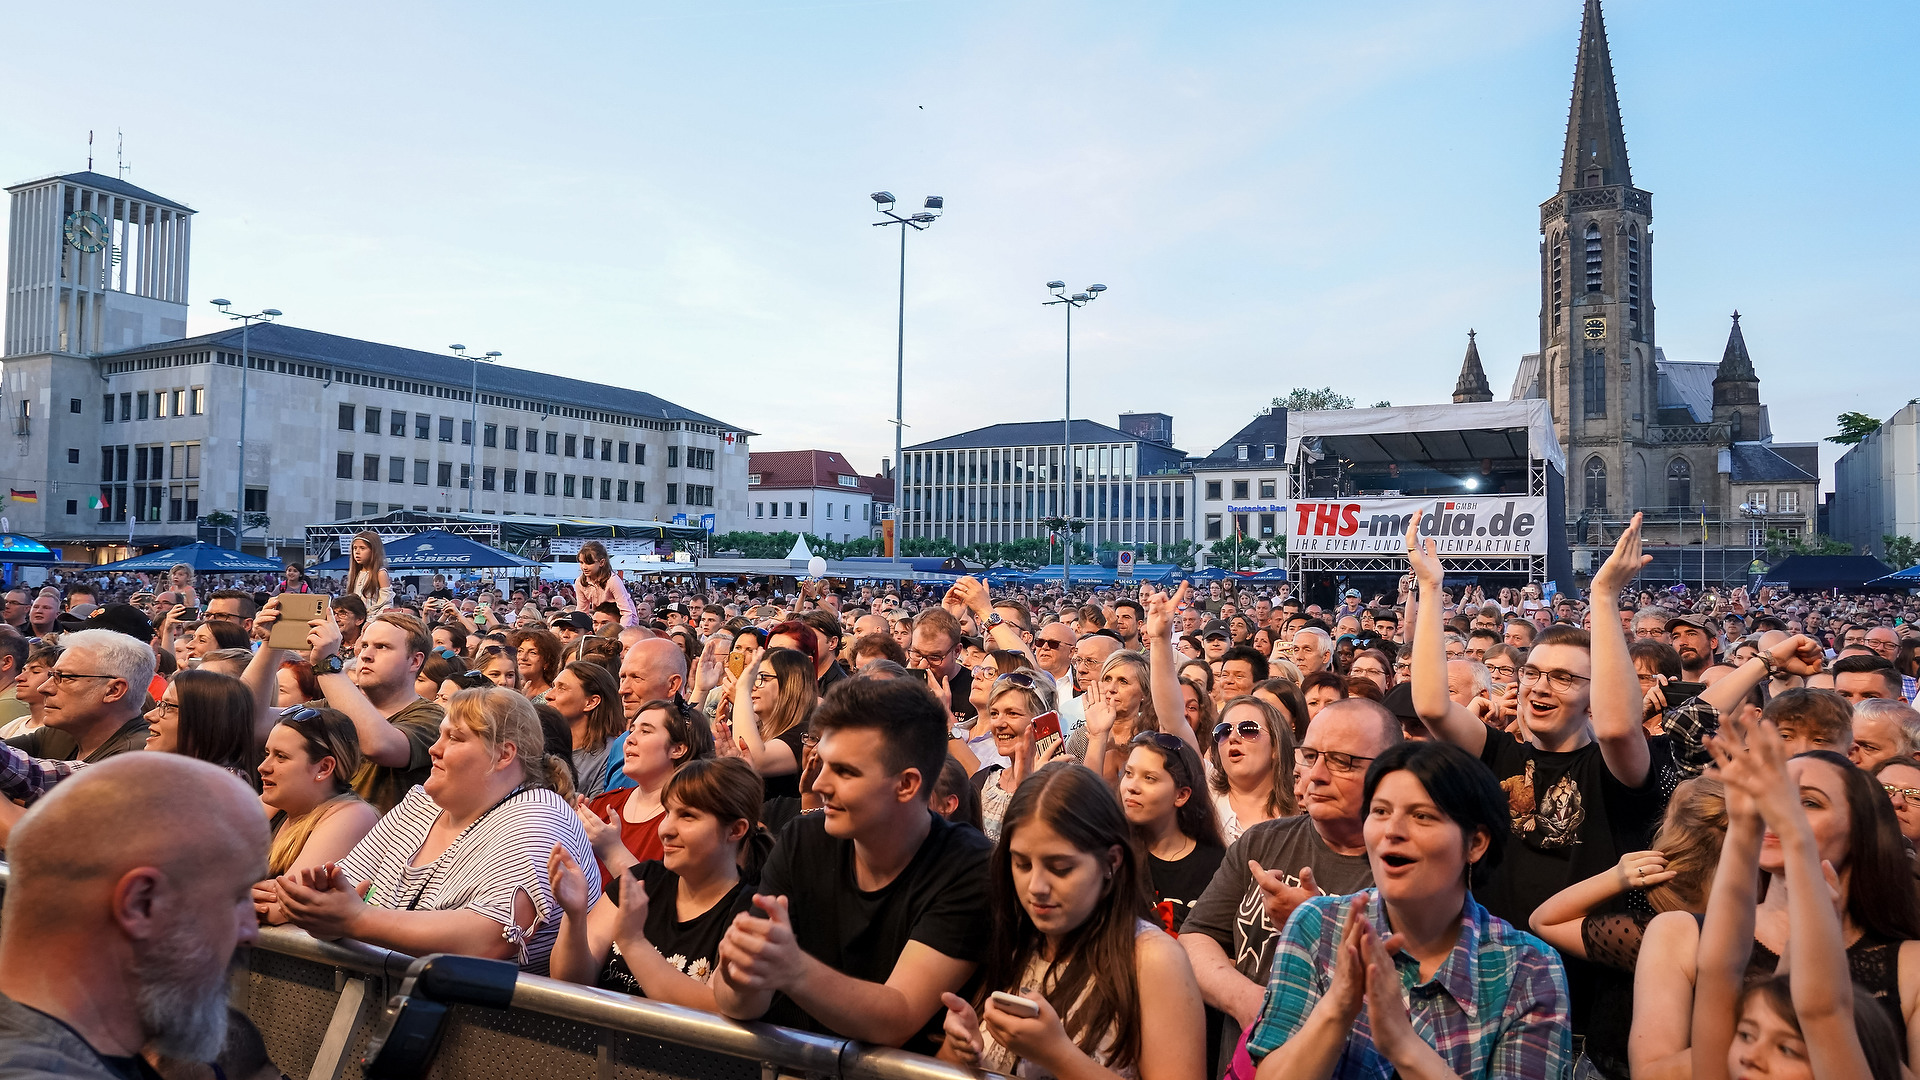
436 550
202 556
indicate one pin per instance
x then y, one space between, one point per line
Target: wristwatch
332 665
992 620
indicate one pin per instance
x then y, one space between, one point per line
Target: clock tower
1596 305
94 263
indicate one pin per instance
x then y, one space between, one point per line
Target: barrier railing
317 1003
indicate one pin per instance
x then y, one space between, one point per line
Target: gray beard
181 996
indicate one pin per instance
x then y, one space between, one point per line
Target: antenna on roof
120 166
89 149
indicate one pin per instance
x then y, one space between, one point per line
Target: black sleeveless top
1874 963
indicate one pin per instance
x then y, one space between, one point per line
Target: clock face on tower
1594 329
86 231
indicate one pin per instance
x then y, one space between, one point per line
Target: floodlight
935 202
458 348
1096 288
885 198
272 312
221 303
1054 285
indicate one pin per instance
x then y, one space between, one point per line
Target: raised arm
380 742
1559 919
1444 717
1616 703
1726 938
972 594
1163 676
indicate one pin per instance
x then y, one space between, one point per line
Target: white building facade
1241 488
816 493
127 433
1876 485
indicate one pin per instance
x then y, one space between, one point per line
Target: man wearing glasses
1277 865
231 606
1053 650
94 698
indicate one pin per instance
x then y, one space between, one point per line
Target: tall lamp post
1079 299
919 222
240 470
473 420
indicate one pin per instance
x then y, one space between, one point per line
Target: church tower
1596 302
1472 384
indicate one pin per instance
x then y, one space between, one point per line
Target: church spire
1596 153
1473 378
1735 364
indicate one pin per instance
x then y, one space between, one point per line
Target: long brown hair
605 720
216 722
368 589
798 692
1690 837
1091 980
602 571
327 734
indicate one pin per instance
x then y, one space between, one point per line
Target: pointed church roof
1595 137
1735 364
1473 378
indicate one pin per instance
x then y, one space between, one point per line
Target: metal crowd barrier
317 1003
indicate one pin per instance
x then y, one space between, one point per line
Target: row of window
1019 465
1242 526
1680 490
155 404
394 422
1268 486
846 510
1099 501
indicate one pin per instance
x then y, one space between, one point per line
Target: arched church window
1679 484
1593 382
1559 280
1593 256
1596 484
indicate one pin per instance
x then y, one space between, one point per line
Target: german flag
24 496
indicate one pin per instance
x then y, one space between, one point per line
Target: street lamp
1079 299
473 421
919 222
240 470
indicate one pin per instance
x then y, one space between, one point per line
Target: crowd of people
1151 834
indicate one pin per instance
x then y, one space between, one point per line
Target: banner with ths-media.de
1482 525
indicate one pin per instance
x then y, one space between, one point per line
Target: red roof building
817 492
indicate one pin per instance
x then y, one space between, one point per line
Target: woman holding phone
1075 967
1012 702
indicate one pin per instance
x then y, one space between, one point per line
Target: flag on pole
95 502
24 496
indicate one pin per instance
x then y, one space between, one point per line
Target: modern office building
128 433
1876 485
814 492
1002 483
1241 488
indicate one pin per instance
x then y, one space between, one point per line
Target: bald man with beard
119 925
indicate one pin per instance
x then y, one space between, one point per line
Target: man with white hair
95 695
1467 679
1312 649
1883 728
120 925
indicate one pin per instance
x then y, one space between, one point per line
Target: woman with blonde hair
460 864
367 572
1251 765
306 784
770 720
598 584
1119 706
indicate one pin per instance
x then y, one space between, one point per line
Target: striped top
1495 1008
504 853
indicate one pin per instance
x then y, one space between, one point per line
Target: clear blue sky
673 195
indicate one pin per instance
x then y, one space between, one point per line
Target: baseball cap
1216 628
1351 594
578 620
122 618
1698 622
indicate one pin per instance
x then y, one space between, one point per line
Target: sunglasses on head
1248 729
300 714
1170 743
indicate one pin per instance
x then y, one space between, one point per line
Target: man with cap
571 625
1214 640
1349 603
676 614
1694 639
126 619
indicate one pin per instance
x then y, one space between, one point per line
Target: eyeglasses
1561 681
1344 764
1909 794
223 616
1403 667
1248 729
168 708
1048 643
765 677
929 657
1025 680
62 678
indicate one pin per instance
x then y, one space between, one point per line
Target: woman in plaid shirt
1413 976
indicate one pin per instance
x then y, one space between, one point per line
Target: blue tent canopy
436 550
203 557
15 548
1908 578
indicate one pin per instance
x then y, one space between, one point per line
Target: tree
1779 545
1902 551
1178 552
1223 552
1301 399
1854 426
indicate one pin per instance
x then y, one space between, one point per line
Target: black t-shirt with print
689 946
939 900
1177 883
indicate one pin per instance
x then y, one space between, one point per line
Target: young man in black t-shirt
1583 784
870 911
